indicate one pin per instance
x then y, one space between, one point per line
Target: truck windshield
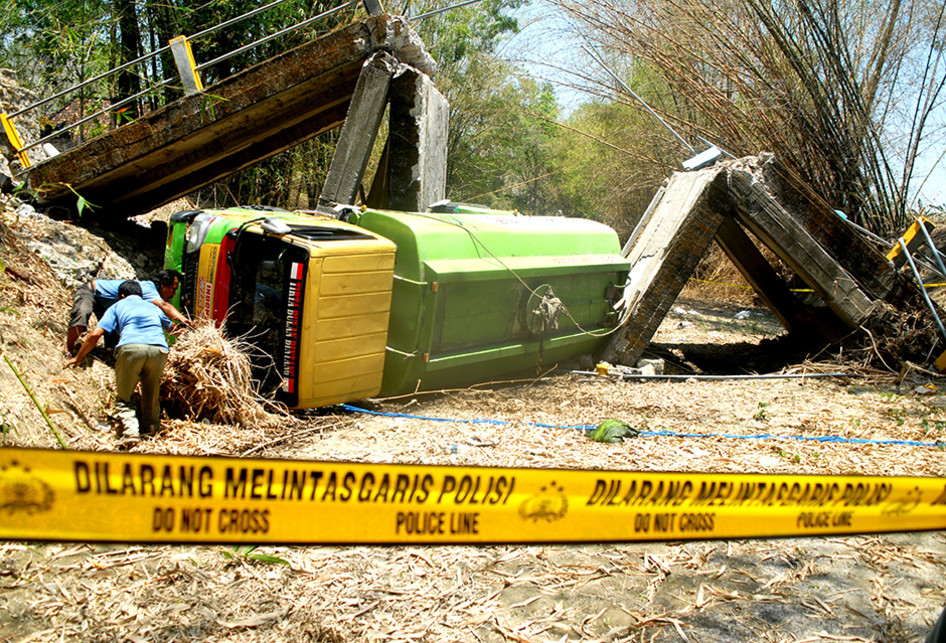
265 307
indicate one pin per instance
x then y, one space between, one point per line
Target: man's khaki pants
136 363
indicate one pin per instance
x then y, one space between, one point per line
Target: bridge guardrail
188 73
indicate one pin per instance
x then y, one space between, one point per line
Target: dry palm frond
209 376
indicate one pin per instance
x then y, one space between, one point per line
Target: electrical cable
648 433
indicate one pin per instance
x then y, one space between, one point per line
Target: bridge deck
236 122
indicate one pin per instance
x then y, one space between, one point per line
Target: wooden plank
669 243
771 223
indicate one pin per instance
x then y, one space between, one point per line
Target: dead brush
209 377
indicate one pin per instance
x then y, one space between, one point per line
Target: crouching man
139 358
99 294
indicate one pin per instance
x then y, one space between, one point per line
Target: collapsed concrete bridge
849 278
349 77
351 73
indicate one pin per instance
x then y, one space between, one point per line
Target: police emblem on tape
20 490
549 504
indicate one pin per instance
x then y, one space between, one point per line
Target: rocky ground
860 588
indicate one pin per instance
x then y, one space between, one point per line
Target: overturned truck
393 302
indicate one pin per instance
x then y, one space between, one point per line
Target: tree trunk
128 48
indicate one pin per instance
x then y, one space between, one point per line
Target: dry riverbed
860 588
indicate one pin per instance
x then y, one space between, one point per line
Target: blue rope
665 433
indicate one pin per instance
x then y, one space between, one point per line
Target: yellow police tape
91 496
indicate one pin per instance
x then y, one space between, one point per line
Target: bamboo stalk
39 406
774 76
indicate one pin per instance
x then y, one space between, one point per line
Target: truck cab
312 294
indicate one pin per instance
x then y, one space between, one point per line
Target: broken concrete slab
765 217
664 250
758 272
417 164
847 245
412 170
694 208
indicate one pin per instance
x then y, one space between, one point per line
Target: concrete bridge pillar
417 163
412 173
358 133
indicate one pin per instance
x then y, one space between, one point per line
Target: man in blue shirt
140 357
99 294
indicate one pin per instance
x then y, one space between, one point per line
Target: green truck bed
481 295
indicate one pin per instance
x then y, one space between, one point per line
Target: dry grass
862 588
210 377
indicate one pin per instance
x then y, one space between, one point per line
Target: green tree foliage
604 169
292 179
127 45
453 36
500 151
54 45
503 146
500 147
